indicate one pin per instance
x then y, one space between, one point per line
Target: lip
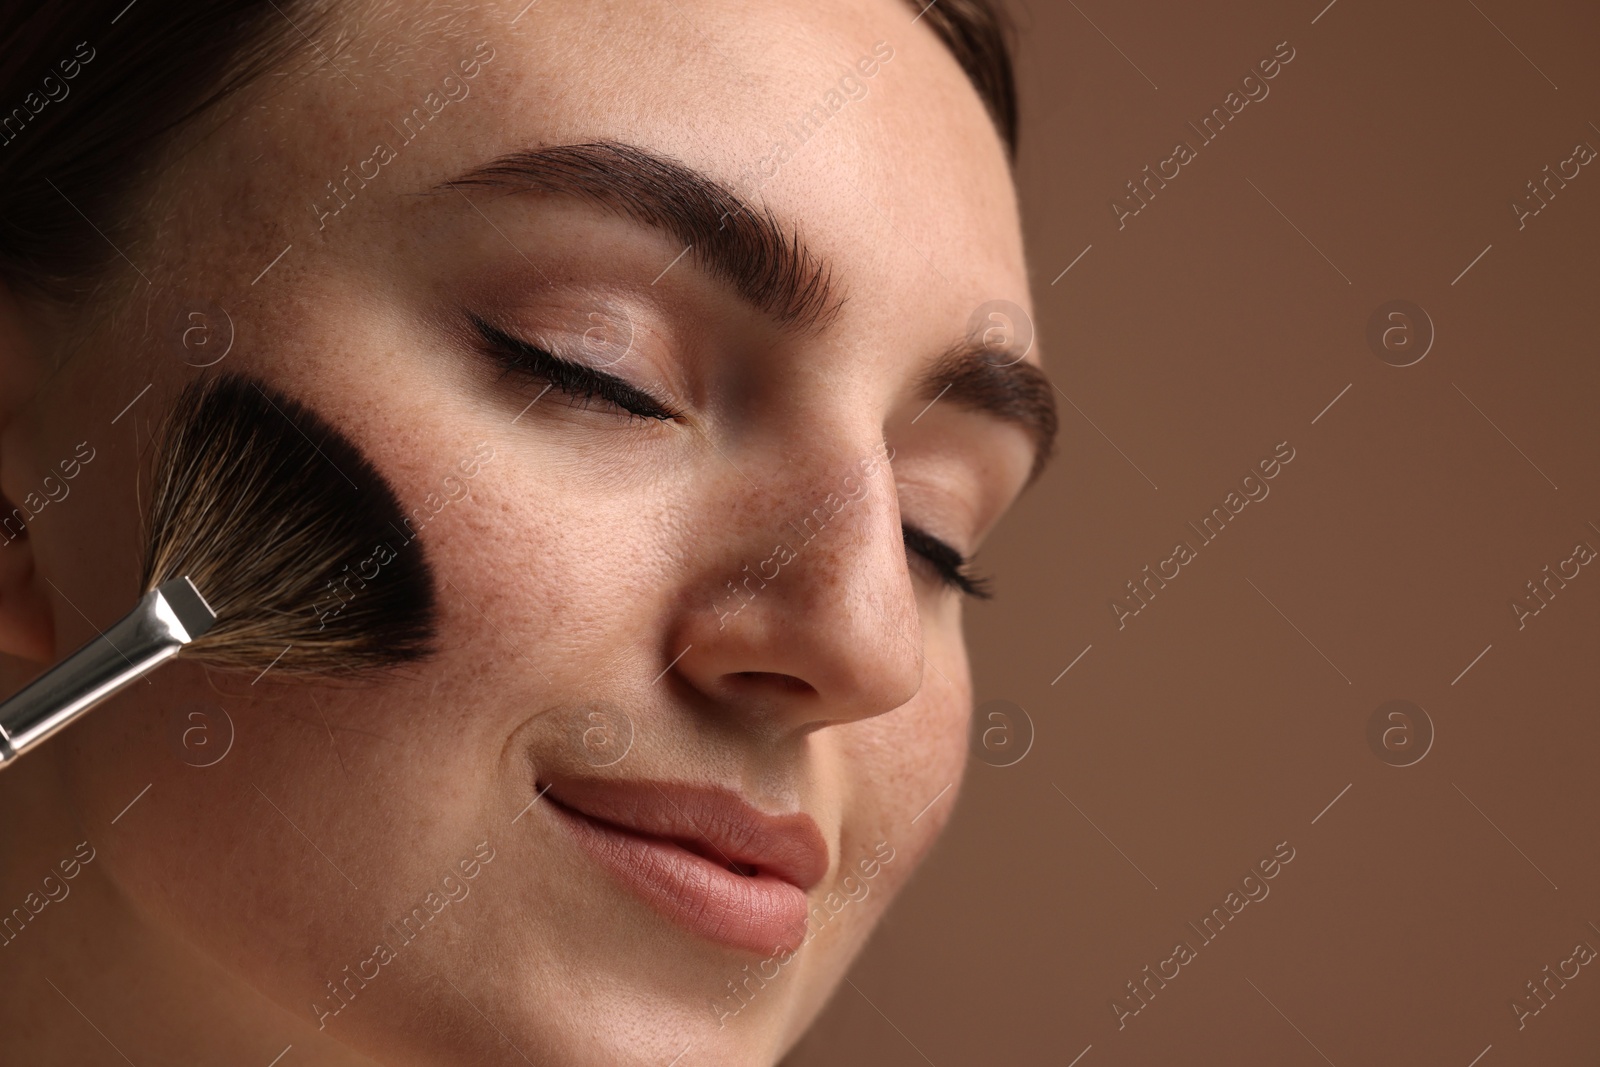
676 846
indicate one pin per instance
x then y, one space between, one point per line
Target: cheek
906 766
898 776
283 824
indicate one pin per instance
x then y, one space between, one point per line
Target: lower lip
759 913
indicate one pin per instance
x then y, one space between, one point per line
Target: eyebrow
770 267
1018 393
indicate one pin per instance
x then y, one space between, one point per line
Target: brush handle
165 619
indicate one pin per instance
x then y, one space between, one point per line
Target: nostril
784 681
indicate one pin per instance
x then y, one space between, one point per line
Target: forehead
849 119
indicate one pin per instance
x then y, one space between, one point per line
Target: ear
27 628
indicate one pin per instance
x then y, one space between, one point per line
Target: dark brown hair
979 35
91 89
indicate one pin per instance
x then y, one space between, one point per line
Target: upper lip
711 821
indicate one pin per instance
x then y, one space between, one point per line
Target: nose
805 614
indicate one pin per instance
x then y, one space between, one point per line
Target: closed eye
581 384
950 567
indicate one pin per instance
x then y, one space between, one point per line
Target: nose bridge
844 495
827 508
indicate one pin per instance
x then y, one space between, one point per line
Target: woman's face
696 711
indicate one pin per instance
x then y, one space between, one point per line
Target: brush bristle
293 537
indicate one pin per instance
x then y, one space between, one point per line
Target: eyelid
571 377
952 568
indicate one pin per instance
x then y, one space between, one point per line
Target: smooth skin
580 571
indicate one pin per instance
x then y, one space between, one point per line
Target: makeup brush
271 541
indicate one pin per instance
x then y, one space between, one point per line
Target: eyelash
583 384
951 567
580 384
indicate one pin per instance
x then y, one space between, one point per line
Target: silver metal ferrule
165 619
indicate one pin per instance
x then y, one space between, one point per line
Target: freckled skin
584 559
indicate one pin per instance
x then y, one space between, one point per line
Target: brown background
1229 713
